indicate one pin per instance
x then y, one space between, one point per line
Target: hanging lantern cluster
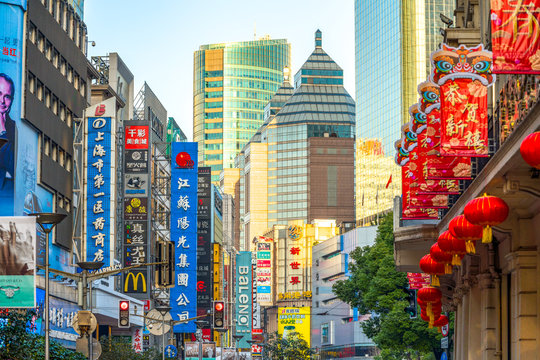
486 211
429 299
529 150
463 230
442 257
452 245
429 266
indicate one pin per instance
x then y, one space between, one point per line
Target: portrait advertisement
11 61
17 264
208 351
192 350
227 354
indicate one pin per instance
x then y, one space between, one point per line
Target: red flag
389 181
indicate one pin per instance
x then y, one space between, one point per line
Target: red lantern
486 211
447 242
441 321
462 229
442 257
433 268
530 150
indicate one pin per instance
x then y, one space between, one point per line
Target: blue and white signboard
184 233
171 352
244 300
99 172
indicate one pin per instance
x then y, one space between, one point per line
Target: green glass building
232 83
393 41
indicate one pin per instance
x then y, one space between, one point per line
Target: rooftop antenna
255 31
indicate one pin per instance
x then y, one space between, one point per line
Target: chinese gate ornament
486 211
530 150
515 34
463 75
462 229
450 244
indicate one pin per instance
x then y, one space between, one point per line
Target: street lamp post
47 222
163 310
221 332
87 266
237 338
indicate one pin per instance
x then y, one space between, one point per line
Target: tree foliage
16 342
121 349
292 347
376 287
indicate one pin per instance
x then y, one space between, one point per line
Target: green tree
292 347
375 287
16 342
119 348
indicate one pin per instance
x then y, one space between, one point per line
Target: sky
157 39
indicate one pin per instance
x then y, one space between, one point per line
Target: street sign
444 356
156 324
82 347
171 351
93 324
444 330
444 343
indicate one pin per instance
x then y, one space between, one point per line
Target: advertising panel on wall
136 207
17 268
61 317
11 63
244 301
295 319
99 176
184 233
264 270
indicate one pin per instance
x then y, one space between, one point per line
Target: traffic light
165 272
123 314
219 314
411 298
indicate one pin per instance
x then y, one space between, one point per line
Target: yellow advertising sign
296 319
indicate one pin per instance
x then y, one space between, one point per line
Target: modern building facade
290 168
393 41
232 84
335 326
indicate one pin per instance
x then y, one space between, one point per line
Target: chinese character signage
244 299
137 339
204 242
61 316
184 233
463 75
11 134
295 319
99 167
263 272
515 36
17 267
136 208
295 259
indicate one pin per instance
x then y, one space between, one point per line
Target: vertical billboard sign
264 271
295 319
244 301
136 204
17 268
11 62
184 233
99 174
204 241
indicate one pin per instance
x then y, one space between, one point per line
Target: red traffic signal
219 306
219 314
123 314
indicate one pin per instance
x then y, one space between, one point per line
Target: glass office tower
393 41
232 83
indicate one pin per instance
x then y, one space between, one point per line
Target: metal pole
90 338
200 346
163 339
46 315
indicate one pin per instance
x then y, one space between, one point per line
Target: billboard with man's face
11 62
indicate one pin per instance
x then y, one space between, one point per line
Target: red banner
515 36
409 190
464 118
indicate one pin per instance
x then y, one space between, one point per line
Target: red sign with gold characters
137 137
464 129
515 36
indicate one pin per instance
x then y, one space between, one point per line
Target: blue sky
156 39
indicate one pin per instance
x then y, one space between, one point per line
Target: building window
46 146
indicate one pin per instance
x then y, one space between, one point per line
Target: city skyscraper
393 41
232 84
